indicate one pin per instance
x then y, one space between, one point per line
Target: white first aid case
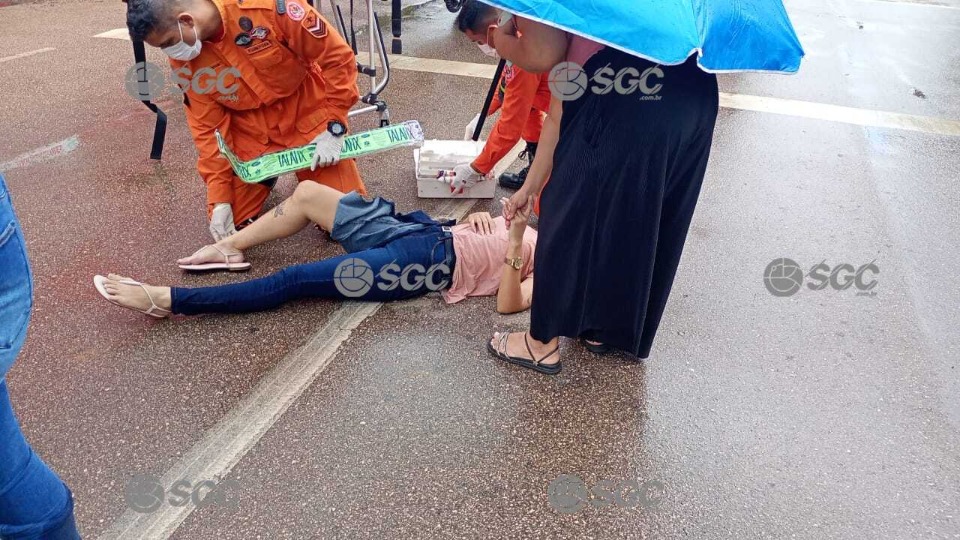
435 156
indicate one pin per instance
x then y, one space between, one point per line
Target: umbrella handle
489 100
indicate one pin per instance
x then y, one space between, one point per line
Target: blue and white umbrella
727 35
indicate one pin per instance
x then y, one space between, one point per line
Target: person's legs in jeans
34 502
407 267
375 275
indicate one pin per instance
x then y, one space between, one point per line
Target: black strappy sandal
529 363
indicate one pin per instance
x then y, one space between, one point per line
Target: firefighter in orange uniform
269 75
522 98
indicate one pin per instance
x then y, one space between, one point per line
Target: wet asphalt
826 414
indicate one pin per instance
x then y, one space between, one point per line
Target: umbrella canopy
728 35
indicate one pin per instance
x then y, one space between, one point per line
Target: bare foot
213 253
544 354
137 298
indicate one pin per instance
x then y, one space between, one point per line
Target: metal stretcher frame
377 50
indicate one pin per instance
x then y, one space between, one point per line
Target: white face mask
182 51
488 50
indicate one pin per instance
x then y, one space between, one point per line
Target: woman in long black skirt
624 178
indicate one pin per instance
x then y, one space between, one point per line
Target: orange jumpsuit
523 98
296 75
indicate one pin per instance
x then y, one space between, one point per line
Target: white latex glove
471 127
461 177
328 150
221 222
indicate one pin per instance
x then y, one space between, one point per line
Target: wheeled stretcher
377 50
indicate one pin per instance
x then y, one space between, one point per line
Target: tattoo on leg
278 211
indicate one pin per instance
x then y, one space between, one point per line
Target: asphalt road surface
822 414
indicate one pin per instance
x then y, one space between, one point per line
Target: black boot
515 181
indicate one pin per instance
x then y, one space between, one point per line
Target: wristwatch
516 262
336 128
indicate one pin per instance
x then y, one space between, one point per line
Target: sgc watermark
785 277
568 81
145 494
569 494
147 81
354 277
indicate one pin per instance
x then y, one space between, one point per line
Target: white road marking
43 153
26 54
232 437
837 113
924 3
442 67
117 33
789 107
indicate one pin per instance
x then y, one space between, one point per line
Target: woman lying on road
390 256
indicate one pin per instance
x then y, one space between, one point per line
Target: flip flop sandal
597 348
225 265
154 311
546 369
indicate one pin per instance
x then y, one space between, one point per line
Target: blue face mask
182 51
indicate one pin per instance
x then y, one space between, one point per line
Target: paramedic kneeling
296 83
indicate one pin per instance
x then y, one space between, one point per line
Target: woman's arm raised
515 293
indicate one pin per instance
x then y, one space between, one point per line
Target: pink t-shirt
480 260
581 49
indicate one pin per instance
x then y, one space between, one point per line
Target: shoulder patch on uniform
314 24
295 11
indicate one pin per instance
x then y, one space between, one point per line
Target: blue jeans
361 224
34 502
406 267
